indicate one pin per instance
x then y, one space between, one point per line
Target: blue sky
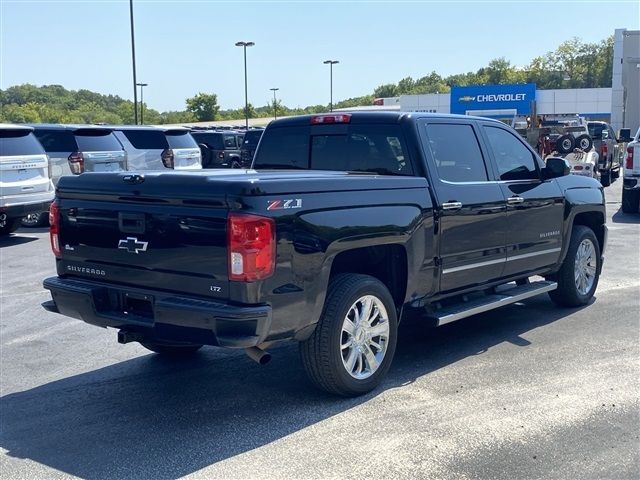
185 47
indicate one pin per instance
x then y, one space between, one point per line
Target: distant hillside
573 64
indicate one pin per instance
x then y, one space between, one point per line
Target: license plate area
132 307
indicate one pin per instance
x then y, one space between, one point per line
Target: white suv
25 181
631 182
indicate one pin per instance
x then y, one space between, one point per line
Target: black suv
219 149
249 144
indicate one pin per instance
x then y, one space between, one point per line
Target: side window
514 160
456 152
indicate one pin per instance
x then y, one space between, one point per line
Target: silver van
25 183
157 148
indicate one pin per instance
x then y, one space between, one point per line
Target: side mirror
555 167
625 135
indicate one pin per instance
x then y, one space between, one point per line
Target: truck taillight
220 154
76 163
628 163
167 158
604 150
54 227
252 247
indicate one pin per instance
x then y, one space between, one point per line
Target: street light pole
244 45
133 61
275 108
331 63
142 85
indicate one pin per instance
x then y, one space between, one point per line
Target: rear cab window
96 140
375 148
180 139
146 139
14 142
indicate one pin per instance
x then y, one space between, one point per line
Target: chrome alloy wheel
585 266
364 337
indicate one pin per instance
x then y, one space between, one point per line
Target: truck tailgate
143 234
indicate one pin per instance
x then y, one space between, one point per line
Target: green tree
204 106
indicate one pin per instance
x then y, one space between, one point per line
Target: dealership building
618 105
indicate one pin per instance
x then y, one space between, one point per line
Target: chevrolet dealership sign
493 97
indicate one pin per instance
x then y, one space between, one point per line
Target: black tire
567 293
630 201
584 142
169 350
35 220
565 144
205 152
605 178
235 162
9 225
616 173
322 354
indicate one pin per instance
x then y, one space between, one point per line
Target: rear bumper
159 315
19 211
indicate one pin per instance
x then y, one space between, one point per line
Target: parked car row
35 157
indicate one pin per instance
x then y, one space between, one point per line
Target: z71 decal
284 204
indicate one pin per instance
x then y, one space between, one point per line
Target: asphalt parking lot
528 391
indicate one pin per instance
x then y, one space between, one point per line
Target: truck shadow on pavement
15 239
153 418
621 217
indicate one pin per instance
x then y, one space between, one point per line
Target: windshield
180 139
97 141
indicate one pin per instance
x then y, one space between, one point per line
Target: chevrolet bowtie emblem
132 245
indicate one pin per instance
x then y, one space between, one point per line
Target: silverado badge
132 245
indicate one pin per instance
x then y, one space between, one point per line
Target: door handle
451 205
514 200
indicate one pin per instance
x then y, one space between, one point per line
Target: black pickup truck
346 224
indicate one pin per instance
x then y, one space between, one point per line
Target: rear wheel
35 220
353 344
580 271
171 350
7 225
630 201
205 152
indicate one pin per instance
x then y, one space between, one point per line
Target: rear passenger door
472 210
535 208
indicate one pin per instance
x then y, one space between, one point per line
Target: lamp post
244 45
331 63
133 62
275 107
142 85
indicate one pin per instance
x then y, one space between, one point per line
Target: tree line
574 64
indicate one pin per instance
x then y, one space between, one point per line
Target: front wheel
353 344
580 271
170 350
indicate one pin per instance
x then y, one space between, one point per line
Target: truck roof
373 117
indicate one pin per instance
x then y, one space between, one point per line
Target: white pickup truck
631 183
